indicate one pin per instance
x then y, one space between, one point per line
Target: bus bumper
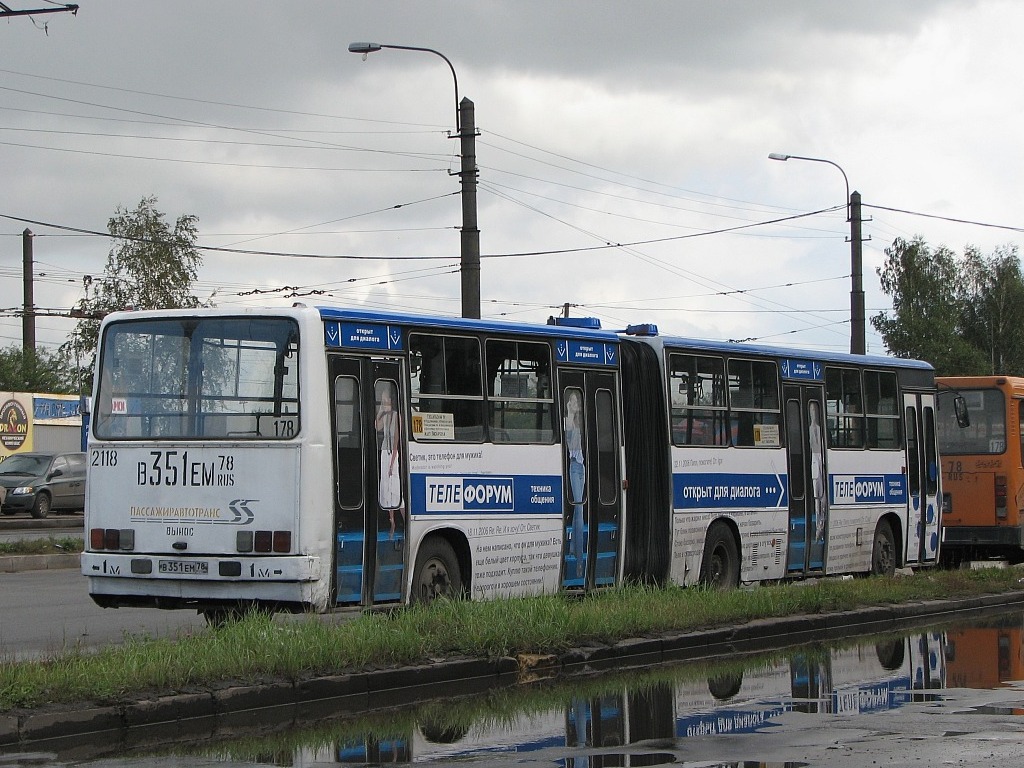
134 579
981 536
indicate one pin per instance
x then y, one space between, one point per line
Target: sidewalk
17 563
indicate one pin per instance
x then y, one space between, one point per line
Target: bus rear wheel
883 551
437 573
720 566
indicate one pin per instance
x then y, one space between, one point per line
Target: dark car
40 482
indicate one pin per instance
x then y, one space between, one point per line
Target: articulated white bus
318 458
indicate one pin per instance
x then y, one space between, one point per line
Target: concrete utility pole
28 318
858 340
470 252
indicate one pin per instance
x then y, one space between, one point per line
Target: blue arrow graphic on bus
240 509
332 333
396 337
728 490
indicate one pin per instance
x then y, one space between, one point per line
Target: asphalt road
42 612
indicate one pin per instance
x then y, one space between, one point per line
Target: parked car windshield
23 464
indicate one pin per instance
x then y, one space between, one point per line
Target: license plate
198 567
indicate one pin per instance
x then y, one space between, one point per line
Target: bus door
923 492
592 478
369 479
808 479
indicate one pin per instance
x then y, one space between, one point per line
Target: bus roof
572 328
839 358
349 314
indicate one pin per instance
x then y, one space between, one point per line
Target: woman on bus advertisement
573 428
387 423
818 481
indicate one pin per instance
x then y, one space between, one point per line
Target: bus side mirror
963 418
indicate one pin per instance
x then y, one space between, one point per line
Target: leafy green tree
963 314
39 371
993 309
926 319
151 265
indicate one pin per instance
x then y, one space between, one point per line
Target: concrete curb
19 563
224 709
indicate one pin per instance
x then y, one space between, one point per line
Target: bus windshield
211 378
987 432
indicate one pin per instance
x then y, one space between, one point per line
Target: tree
39 371
151 265
926 318
993 309
964 315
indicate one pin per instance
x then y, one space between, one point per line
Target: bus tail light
1000 497
264 541
112 538
282 541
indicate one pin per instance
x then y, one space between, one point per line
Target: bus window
987 431
754 403
446 383
930 454
1020 427
348 441
697 392
607 446
845 408
796 449
913 453
882 412
208 379
520 401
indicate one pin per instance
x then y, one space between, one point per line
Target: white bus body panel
515 539
205 503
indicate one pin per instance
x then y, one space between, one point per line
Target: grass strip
51 545
259 648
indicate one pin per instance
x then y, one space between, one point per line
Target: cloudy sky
623 151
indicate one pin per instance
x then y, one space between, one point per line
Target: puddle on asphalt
640 717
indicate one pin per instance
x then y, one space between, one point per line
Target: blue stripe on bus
729 490
867 489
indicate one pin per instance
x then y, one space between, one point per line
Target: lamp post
465 126
858 342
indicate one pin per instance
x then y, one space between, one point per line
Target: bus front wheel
720 566
437 572
883 551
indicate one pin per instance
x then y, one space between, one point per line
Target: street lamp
858 342
465 126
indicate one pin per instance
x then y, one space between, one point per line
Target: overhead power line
8 11
945 218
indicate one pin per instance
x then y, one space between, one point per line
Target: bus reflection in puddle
646 722
645 716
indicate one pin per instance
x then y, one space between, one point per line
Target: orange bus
982 470
987 656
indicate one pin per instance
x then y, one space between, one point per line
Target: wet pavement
946 694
